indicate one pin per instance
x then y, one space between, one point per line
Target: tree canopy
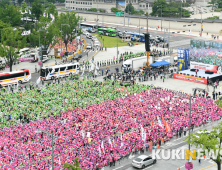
12 41
172 9
209 142
37 9
75 166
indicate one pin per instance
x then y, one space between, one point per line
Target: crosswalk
90 51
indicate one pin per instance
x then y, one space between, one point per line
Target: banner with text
26 59
190 78
183 58
202 66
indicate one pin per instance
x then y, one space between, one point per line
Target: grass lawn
217 9
110 42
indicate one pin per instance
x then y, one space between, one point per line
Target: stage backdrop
183 59
205 67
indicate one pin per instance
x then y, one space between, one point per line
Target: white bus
9 78
56 71
88 26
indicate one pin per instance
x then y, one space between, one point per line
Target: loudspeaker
147 42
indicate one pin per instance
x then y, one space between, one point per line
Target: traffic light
147 41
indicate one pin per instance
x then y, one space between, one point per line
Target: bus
52 72
107 31
24 52
111 32
137 36
100 26
15 77
88 26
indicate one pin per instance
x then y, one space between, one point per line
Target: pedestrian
213 94
196 72
114 161
163 78
102 72
199 161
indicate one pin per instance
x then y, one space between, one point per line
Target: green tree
75 166
52 10
10 14
92 10
115 10
68 31
207 142
212 2
37 9
2 26
130 9
11 43
24 7
214 17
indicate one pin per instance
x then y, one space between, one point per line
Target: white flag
48 76
30 12
38 80
88 134
58 73
17 84
96 72
99 151
97 67
83 134
102 146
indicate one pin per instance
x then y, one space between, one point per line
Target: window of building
134 1
147 6
73 7
81 2
90 3
143 6
140 5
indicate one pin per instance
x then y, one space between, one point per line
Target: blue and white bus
88 26
137 36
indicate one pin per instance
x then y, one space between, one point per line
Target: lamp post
201 23
97 10
39 46
161 15
42 131
139 26
117 47
61 36
169 37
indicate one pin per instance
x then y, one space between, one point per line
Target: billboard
207 52
121 5
183 59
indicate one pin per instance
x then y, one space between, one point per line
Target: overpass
210 26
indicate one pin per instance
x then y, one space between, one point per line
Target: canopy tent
160 63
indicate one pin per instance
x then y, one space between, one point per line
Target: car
89 46
92 30
77 56
94 38
157 40
89 36
85 33
120 34
142 161
96 44
152 39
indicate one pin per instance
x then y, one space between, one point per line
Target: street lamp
161 15
42 131
61 35
39 45
117 47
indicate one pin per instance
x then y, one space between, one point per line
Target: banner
121 5
190 78
26 59
202 66
183 58
121 89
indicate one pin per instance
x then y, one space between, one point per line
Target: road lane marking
118 168
207 167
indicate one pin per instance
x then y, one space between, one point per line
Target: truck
137 63
35 53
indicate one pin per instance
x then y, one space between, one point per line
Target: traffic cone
204 156
179 168
212 126
158 146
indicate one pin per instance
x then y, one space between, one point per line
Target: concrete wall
207 27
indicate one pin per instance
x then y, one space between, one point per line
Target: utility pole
147 22
201 23
169 37
139 27
97 10
117 48
161 18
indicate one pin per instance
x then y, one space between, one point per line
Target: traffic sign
128 19
201 26
119 14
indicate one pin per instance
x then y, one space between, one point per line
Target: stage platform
201 77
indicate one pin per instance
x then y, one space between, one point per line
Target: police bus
52 72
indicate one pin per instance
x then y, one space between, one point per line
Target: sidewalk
112 52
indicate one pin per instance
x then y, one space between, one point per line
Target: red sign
190 78
40 63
